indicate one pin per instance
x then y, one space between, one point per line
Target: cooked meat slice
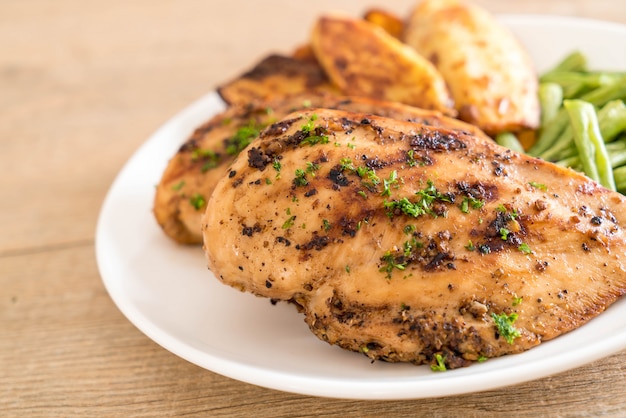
276 76
412 243
191 175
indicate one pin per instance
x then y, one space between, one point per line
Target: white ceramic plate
168 293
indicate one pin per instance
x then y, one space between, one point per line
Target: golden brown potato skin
361 59
391 23
371 277
193 172
490 75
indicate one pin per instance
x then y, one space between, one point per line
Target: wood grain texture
82 85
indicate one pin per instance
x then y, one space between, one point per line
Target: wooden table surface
82 85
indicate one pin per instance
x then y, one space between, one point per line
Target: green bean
576 83
550 133
593 155
510 141
616 151
616 90
561 147
571 162
612 121
575 61
620 179
618 159
550 100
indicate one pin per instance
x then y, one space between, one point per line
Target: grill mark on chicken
437 141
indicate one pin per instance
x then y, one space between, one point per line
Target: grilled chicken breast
191 174
413 243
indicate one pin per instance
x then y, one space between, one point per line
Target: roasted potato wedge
276 76
490 75
391 23
362 59
305 53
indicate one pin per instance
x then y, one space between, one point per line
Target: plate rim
332 388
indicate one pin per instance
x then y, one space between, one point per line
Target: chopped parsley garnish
504 233
208 165
277 166
517 300
314 135
482 359
315 139
326 225
368 177
441 364
391 263
346 165
310 125
472 202
504 324
390 181
539 186
410 159
197 201
347 269
405 206
198 153
470 246
300 178
311 168
289 222
409 229
211 158
430 194
243 137
178 185
362 194
523 247
465 205
410 245
422 207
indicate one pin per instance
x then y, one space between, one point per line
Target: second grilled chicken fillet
414 243
191 174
